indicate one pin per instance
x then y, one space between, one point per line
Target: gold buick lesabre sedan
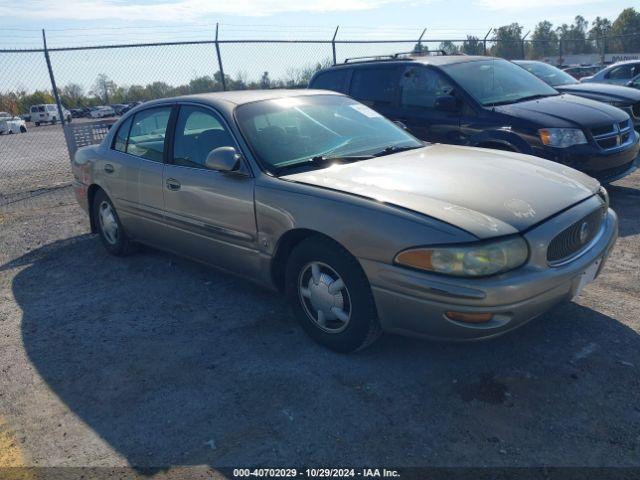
365 228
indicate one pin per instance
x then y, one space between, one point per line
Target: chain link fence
35 159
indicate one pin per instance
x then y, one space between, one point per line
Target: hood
485 192
566 111
603 92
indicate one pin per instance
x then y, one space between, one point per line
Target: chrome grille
575 238
613 136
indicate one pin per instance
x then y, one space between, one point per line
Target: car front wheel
331 296
110 229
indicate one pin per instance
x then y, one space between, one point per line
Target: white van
48 113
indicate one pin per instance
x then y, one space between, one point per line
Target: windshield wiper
320 160
395 149
521 99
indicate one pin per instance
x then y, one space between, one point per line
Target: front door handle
109 168
173 184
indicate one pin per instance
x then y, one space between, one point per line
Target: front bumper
604 165
414 303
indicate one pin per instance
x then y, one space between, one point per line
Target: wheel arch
91 194
286 243
501 140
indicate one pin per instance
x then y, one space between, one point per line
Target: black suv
490 102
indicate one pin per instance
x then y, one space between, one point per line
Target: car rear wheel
110 229
37 124
23 129
331 296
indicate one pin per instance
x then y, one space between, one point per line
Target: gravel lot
154 361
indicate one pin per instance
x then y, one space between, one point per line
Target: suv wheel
330 296
111 231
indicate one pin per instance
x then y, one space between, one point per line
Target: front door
210 214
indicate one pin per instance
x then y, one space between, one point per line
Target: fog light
469 317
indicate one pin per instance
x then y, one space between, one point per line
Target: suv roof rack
395 56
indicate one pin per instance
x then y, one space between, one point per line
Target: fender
502 136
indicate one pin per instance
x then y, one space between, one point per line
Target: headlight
470 260
562 137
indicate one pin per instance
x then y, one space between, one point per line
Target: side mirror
223 159
400 124
447 103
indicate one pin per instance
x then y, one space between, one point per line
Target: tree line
105 91
602 35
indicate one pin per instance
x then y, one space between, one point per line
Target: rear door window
621 72
421 87
331 80
148 133
374 86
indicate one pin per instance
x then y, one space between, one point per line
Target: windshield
287 131
549 74
497 82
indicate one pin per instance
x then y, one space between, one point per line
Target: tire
53 121
37 124
110 229
23 129
352 322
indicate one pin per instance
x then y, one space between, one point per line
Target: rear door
133 172
210 214
420 87
377 87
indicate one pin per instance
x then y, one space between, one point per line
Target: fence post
52 78
418 47
333 44
484 42
523 45
224 81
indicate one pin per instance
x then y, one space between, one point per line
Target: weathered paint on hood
485 192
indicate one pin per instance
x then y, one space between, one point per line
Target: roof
423 59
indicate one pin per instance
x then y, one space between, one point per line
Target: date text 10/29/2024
315 473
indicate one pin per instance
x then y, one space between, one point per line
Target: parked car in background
364 227
81 112
620 73
48 113
628 99
130 106
581 71
492 103
11 124
102 112
119 108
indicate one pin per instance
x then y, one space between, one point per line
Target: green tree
508 41
544 41
448 47
472 46
574 36
72 95
626 31
265 81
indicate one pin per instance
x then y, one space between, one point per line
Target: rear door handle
173 184
109 168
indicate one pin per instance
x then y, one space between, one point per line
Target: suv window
374 86
120 140
421 87
198 131
621 72
331 80
148 133
51 108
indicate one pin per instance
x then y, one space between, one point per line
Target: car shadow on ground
173 363
625 201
